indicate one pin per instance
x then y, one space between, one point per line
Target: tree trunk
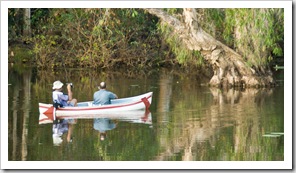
229 67
27 22
26 108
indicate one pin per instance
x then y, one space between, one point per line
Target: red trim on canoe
49 110
146 117
146 102
44 119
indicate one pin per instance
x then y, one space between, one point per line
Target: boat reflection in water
102 122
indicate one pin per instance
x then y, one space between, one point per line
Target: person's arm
69 92
69 135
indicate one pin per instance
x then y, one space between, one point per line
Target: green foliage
212 20
173 11
16 23
98 38
106 38
257 34
183 55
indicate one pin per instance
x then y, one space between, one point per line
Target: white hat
57 85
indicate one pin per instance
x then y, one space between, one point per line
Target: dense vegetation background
133 38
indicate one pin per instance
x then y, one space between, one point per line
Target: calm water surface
188 121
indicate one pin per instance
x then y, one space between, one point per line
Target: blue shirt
60 128
103 97
103 124
60 97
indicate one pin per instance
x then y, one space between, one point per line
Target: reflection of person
103 125
103 96
60 128
59 97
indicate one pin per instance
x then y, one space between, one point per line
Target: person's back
103 97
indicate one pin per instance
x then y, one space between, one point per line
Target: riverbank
22 55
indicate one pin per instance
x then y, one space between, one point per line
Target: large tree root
230 69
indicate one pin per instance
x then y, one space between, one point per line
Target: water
188 121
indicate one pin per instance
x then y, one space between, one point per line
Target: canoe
135 116
86 108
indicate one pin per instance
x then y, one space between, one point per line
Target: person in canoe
103 96
59 97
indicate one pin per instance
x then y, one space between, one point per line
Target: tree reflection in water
191 122
230 128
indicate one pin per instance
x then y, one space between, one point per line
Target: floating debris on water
274 134
271 135
277 67
277 133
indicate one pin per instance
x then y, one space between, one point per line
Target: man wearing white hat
61 98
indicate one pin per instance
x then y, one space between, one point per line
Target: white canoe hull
137 116
87 108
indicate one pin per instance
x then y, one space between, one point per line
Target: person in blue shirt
103 96
61 98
